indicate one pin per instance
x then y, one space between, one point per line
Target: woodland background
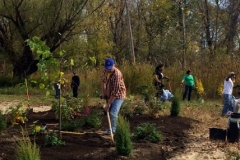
201 35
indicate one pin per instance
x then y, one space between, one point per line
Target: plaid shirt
114 84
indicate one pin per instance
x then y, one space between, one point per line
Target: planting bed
180 136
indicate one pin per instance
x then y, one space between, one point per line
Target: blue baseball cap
109 62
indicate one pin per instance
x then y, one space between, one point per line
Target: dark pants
75 91
188 91
57 90
159 89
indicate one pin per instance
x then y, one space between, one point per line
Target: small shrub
175 106
3 122
68 107
127 108
93 120
26 150
123 137
140 109
72 125
66 111
147 132
199 88
52 140
36 128
144 91
6 81
154 108
238 157
17 114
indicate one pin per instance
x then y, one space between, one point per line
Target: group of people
187 80
75 83
114 90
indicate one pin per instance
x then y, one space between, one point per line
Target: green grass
25 149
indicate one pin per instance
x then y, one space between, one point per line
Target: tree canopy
167 31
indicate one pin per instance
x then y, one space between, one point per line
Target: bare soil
185 137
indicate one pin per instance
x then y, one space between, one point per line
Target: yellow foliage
199 87
220 89
37 129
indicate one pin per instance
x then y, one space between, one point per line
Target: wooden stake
67 132
110 126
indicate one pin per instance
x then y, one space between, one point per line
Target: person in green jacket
188 80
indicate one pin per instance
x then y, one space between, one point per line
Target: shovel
110 126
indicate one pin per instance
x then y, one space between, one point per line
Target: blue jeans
188 91
114 109
227 106
57 90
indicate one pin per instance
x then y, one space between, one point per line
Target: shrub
26 150
17 114
140 109
199 88
175 106
3 122
147 132
68 107
93 120
123 137
6 81
72 125
126 108
52 140
238 157
154 108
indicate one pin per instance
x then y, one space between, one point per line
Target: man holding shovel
114 91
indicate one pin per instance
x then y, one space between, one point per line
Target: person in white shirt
227 93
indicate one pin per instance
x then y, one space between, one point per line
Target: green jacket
188 80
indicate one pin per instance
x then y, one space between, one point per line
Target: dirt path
5 105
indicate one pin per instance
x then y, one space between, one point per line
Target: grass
25 149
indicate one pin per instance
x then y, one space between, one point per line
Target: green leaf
72 62
33 81
47 93
41 86
34 122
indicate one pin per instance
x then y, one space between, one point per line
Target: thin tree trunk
130 34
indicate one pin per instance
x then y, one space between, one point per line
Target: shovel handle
110 126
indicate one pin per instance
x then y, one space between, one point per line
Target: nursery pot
236 105
233 130
217 134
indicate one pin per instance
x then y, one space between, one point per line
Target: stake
170 88
110 126
79 133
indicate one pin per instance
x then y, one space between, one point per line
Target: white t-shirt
228 86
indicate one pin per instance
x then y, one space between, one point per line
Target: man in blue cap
113 90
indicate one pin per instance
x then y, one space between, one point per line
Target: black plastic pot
235 115
233 130
217 134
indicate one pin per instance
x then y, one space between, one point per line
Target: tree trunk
26 65
233 21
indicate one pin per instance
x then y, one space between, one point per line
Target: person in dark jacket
158 79
75 83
